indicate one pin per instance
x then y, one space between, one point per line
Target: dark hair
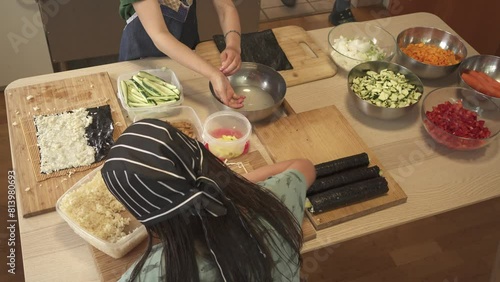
241 239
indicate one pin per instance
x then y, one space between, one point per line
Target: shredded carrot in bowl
431 54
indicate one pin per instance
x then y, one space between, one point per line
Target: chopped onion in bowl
360 49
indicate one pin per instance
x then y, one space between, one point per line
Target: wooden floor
458 246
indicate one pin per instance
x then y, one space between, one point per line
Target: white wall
23 47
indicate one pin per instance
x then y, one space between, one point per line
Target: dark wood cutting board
309 62
37 197
322 135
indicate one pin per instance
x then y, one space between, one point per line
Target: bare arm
303 165
230 23
149 13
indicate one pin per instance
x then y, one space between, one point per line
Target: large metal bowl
373 110
256 81
488 64
432 36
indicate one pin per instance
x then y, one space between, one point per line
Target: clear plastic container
176 115
226 134
136 232
166 74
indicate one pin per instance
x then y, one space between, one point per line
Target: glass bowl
484 109
353 43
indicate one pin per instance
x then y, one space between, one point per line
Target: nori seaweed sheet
259 47
100 131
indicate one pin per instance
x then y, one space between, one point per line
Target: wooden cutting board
309 62
39 197
111 269
322 135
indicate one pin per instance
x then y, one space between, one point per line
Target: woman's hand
230 61
225 92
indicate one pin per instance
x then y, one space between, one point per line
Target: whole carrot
473 82
495 84
488 83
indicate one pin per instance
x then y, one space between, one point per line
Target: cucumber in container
149 90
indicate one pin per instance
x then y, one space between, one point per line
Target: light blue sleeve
290 187
150 271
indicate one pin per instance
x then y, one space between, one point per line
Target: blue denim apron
136 43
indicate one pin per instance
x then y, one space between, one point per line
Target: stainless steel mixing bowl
373 110
488 64
432 36
262 79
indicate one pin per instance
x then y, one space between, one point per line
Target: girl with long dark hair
206 222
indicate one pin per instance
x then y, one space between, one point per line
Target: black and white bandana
157 172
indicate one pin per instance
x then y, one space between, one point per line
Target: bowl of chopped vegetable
384 90
353 43
430 52
481 73
456 118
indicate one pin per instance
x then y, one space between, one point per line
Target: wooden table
435 179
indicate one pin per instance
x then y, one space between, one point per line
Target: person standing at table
211 223
169 27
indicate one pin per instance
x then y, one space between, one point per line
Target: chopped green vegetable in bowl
384 90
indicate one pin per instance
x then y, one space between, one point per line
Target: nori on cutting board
100 131
259 47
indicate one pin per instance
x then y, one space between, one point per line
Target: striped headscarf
157 172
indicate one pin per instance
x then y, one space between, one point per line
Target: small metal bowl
488 64
432 36
373 110
263 87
